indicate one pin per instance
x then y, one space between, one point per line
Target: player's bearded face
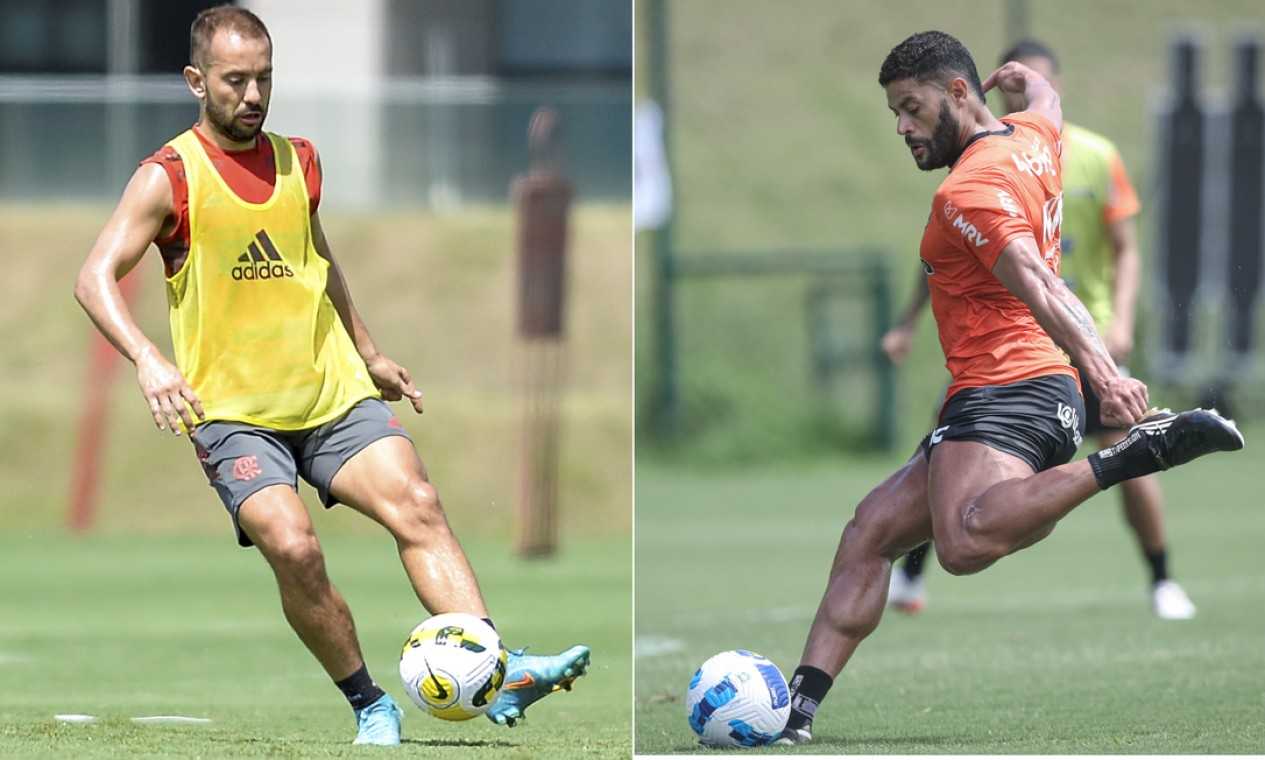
943 147
238 121
235 84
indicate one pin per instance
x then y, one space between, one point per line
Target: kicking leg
387 481
987 504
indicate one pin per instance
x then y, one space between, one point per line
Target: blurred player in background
1101 264
995 475
276 375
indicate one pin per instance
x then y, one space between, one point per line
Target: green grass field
120 628
1051 651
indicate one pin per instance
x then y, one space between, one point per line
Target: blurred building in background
411 102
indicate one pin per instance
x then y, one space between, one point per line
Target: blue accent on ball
747 736
698 676
719 695
778 691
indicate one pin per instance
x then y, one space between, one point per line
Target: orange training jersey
1006 185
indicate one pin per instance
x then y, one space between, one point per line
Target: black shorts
1041 421
1093 407
241 459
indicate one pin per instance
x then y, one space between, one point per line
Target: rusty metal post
543 199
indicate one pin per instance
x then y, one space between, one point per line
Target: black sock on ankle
808 687
1124 461
1158 562
360 689
913 561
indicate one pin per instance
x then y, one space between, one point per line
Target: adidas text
262 271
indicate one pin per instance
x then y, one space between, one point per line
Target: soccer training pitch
121 628
1051 651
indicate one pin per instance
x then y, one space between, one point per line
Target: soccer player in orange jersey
275 375
994 476
1101 264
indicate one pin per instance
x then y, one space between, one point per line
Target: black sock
1124 461
913 561
360 689
808 687
1158 562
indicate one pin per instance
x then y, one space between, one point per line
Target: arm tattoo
1080 318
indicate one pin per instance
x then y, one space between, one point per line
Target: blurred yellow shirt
1096 194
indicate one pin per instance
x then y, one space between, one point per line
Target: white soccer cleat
906 595
1169 602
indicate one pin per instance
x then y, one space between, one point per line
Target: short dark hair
1030 49
931 57
212 20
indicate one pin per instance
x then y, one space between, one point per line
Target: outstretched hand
394 381
171 401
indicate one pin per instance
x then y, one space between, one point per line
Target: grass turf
1051 651
121 627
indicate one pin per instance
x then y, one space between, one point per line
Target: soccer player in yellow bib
1101 264
275 375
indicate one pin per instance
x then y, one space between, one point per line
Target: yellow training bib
254 333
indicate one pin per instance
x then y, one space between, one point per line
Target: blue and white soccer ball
738 699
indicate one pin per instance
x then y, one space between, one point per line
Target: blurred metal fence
774 351
435 142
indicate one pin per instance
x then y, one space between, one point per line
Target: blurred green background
780 139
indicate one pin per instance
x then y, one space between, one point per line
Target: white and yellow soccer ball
737 699
453 666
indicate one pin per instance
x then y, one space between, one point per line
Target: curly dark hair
931 58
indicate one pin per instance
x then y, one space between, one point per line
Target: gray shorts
240 459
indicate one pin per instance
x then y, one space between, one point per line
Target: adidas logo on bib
261 261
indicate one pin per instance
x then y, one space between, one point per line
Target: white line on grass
657 646
143 719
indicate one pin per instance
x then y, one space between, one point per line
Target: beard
944 147
224 121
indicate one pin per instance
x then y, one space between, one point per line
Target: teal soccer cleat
379 723
530 677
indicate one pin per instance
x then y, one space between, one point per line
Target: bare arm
392 379
1041 96
142 213
1119 335
1022 271
898 341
